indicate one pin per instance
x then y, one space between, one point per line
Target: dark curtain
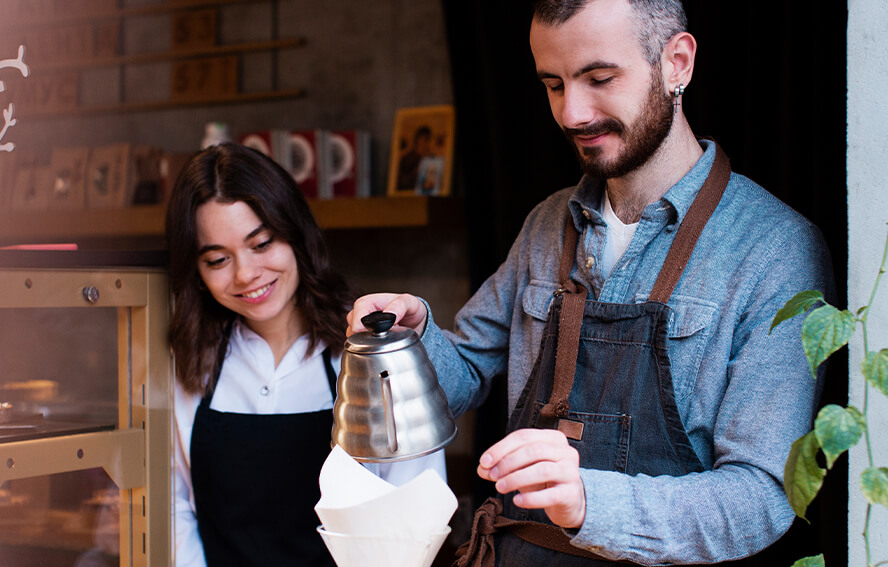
769 85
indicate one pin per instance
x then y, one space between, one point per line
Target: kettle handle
389 408
379 322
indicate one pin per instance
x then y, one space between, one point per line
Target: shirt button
264 391
587 214
590 262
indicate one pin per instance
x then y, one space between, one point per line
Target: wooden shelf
387 212
23 227
123 107
142 58
134 11
213 81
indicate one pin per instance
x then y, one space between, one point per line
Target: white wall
867 217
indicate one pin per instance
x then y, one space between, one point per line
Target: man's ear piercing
679 90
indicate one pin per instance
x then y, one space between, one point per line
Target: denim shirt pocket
537 299
691 323
535 302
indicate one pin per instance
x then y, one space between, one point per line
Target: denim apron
602 377
255 483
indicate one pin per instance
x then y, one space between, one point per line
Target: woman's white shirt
250 383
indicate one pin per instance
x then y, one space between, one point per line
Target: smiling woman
257 330
199 235
250 271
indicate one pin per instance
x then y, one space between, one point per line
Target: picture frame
421 160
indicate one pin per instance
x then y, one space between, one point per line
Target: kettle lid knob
379 322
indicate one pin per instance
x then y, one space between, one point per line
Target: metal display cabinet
86 429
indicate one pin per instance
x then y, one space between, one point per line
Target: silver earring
679 90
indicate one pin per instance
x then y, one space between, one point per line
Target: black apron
602 377
255 481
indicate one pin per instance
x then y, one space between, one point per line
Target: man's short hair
657 20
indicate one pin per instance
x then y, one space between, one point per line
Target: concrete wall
867 217
361 62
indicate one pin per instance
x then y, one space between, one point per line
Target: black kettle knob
379 322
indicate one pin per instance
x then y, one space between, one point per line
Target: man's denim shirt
744 395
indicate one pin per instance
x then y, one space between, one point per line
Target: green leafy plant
825 330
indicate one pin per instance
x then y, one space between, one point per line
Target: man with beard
651 408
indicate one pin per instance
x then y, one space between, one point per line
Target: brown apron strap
479 550
689 231
574 295
551 537
573 302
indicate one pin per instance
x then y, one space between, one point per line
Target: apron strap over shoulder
704 205
574 295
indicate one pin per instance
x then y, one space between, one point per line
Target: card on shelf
32 188
147 183
349 163
68 178
261 141
108 176
307 159
171 166
325 164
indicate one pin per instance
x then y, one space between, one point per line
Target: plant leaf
799 303
813 561
837 430
802 476
855 413
825 330
875 369
874 485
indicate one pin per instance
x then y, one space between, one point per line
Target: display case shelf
97 334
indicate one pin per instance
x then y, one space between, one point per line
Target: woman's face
246 268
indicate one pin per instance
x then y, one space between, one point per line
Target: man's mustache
596 129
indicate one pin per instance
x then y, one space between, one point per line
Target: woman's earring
679 90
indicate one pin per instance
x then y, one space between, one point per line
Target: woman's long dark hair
230 173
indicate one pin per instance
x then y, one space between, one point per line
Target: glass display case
85 410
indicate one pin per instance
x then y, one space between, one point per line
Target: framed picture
422 151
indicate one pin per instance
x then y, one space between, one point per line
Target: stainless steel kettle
389 406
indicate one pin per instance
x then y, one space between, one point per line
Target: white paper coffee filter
356 502
345 482
360 551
